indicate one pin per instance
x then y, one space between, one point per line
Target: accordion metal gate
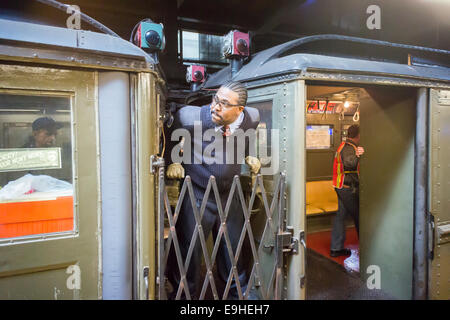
266 271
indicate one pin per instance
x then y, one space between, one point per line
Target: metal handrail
84 17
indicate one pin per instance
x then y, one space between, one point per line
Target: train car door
439 200
282 111
147 124
50 204
387 189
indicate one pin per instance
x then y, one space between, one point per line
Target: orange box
36 217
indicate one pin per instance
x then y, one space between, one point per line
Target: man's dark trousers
348 204
185 227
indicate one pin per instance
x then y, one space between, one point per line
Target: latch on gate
287 241
155 163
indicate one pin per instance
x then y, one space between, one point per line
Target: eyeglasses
223 103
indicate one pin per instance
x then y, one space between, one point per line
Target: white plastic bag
31 183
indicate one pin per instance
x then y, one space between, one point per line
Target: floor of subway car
320 242
328 280
337 278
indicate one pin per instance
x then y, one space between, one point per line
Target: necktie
226 131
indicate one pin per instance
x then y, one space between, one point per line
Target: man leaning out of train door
346 185
225 118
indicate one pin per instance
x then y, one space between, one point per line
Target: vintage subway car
100 231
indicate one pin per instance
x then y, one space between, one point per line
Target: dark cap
46 123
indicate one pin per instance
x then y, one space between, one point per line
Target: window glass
264 136
319 136
36 178
201 47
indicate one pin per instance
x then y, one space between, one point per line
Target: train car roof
26 41
277 61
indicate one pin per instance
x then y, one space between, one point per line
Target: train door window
200 47
36 172
264 137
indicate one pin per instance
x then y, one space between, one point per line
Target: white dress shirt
234 125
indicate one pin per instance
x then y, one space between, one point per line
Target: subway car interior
386 119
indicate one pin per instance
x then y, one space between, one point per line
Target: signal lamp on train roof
236 44
150 35
195 75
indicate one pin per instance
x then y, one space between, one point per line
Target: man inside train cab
225 118
43 134
346 185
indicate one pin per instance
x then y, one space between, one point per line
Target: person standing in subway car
346 185
225 118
